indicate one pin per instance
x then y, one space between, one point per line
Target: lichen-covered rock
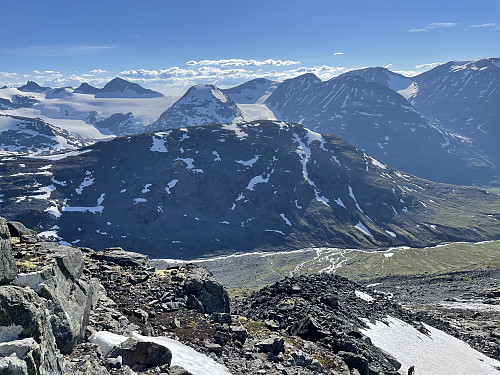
8 269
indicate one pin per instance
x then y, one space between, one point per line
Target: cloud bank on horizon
175 79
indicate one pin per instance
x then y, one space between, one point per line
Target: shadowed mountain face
464 97
201 104
221 188
382 123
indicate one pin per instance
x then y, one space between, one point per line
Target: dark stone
135 352
117 255
309 329
221 318
19 230
178 370
8 268
357 362
209 295
273 345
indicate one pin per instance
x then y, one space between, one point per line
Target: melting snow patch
339 202
159 143
312 136
364 296
239 133
359 226
376 163
45 191
286 220
392 234
146 188
189 164
139 200
87 181
248 163
170 185
217 157
354 199
275 231
257 180
435 353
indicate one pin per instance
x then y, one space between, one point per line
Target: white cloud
388 66
485 25
55 50
97 71
434 25
338 53
428 66
242 62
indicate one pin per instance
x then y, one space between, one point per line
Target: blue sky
170 45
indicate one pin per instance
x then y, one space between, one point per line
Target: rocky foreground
73 310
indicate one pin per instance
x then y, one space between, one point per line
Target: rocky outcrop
24 315
8 269
25 235
69 295
205 293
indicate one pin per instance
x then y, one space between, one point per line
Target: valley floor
454 287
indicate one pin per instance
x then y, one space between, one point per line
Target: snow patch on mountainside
434 353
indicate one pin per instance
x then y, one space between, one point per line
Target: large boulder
204 292
136 352
25 235
70 297
8 268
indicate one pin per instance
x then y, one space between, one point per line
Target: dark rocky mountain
85 88
119 87
201 104
464 97
255 91
31 86
384 76
194 191
382 123
25 135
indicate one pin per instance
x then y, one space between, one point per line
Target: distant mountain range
382 123
440 125
219 188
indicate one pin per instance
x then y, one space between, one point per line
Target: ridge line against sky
168 46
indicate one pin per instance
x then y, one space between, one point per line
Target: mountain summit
201 104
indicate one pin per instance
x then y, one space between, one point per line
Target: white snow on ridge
437 353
